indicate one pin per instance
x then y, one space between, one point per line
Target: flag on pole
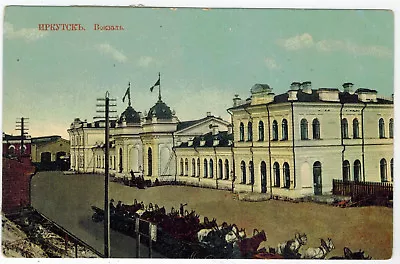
157 83
127 92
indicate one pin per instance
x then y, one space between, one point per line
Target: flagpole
129 93
159 87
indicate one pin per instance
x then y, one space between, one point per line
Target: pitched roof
185 124
45 139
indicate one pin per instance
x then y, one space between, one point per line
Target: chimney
208 113
236 100
215 130
348 87
306 87
295 86
292 95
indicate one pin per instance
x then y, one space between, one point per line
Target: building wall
53 147
16 177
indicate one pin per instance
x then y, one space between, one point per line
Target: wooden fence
363 189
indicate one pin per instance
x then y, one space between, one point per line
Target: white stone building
143 144
292 144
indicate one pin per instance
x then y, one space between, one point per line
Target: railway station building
291 144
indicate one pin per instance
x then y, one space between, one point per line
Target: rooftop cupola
348 87
261 94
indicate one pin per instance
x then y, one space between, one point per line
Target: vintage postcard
197 133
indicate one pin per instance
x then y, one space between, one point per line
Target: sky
205 57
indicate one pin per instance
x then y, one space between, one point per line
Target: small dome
260 88
129 116
160 110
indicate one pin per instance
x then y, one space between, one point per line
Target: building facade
292 144
50 153
139 143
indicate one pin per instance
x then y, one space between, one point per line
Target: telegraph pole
21 126
105 102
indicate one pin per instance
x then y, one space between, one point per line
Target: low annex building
49 148
292 144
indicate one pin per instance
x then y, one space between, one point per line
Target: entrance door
263 177
317 178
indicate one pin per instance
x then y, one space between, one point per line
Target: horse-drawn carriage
183 235
180 234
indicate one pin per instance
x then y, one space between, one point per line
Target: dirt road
367 228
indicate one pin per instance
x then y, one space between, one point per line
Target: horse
235 234
248 246
207 224
290 249
348 254
319 252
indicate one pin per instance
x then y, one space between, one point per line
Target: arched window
346 170
317 174
150 162
304 129
277 175
285 133
357 170
243 169
11 150
220 169
193 167
261 131
286 174
263 170
383 170
274 130
198 167
250 131
381 128
251 171
186 167
356 131
226 169
316 129
211 168
391 124
345 128
205 169
181 166
241 132
391 170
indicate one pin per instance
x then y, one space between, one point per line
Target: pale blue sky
205 57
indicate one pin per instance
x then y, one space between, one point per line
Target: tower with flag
128 93
158 83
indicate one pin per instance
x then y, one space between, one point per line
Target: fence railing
357 189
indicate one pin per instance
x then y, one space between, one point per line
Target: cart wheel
194 255
210 257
